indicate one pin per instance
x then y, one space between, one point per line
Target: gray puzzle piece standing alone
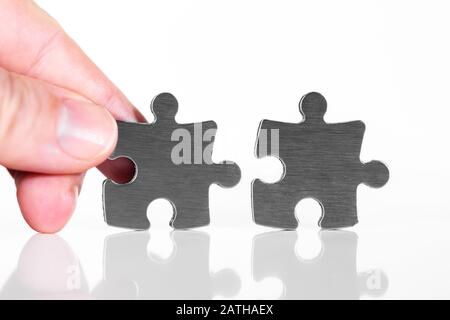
321 161
173 161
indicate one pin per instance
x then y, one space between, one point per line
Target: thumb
48 129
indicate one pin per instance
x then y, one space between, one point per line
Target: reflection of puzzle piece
129 272
321 161
173 161
332 275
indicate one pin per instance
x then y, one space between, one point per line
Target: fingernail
85 130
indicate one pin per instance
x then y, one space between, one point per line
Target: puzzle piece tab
321 161
173 161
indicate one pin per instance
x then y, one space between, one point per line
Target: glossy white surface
82 263
383 62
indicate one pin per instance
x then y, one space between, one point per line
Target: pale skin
57 112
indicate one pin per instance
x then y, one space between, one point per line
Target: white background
237 62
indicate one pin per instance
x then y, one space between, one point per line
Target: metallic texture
185 185
321 161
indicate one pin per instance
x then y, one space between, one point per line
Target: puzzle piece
173 161
321 161
332 275
129 272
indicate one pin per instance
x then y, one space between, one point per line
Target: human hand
56 115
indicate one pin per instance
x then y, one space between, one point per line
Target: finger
47 201
46 129
49 212
33 44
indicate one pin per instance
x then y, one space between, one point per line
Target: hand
57 113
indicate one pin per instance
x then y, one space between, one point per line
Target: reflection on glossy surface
131 273
47 269
331 275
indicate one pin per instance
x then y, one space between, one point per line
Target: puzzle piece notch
320 160
185 185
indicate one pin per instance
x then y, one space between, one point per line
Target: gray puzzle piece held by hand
173 162
321 161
